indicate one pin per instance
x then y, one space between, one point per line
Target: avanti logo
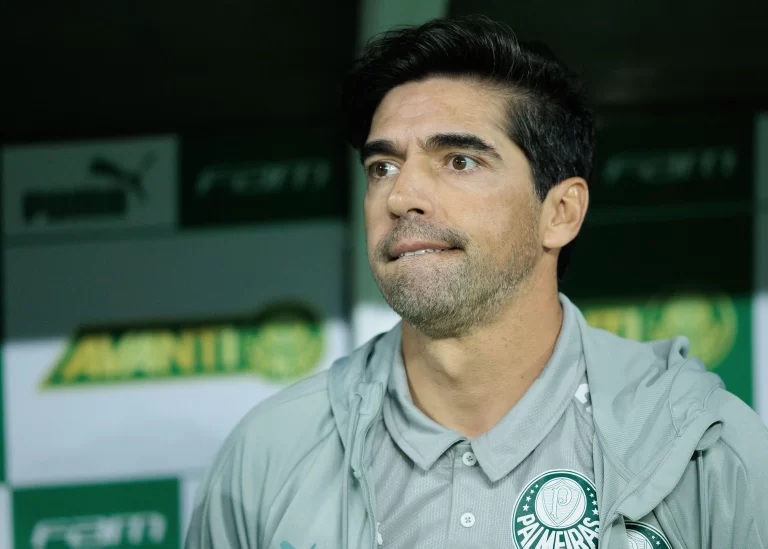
645 536
557 509
102 193
101 531
283 342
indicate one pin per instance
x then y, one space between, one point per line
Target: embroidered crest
557 509
644 536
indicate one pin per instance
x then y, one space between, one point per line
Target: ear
563 212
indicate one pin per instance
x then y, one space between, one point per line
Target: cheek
374 223
501 226
487 218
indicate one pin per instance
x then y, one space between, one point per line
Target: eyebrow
436 142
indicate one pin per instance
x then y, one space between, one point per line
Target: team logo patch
643 536
557 509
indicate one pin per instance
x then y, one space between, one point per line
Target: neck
468 384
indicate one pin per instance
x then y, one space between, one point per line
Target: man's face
443 175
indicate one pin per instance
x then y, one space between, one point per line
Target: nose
412 194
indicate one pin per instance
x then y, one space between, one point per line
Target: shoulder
265 450
278 433
289 408
625 360
744 437
725 480
292 417
734 475
661 353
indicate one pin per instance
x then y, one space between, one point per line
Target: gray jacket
294 473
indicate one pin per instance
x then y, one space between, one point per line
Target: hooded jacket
669 439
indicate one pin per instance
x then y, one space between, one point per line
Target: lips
412 248
422 252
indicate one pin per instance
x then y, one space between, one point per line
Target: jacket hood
649 403
364 373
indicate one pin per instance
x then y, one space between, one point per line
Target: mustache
422 231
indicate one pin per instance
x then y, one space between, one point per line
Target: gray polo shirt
528 482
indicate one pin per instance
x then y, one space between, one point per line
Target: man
492 415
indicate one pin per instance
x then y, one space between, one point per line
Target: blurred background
182 225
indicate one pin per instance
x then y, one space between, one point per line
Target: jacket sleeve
735 479
224 517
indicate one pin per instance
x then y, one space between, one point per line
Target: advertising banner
132 353
86 187
126 515
667 248
143 361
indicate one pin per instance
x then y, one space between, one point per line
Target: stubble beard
457 294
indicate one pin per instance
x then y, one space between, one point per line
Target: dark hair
548 115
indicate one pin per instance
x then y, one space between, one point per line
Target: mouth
419 245
424 251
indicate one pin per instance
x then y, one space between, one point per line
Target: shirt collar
421 438
515 436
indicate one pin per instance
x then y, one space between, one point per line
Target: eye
463 163
381 169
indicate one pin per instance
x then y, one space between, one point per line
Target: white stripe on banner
760 309
371 319
187 493
5 519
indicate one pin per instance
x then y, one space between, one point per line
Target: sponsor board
640 261
671 167
652 160
283 175
281 343
122 515
62 188
666 249
132 398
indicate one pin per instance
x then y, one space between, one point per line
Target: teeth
419 252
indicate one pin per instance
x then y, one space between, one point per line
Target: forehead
417 109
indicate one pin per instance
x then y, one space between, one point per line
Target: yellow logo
282 343
709 321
